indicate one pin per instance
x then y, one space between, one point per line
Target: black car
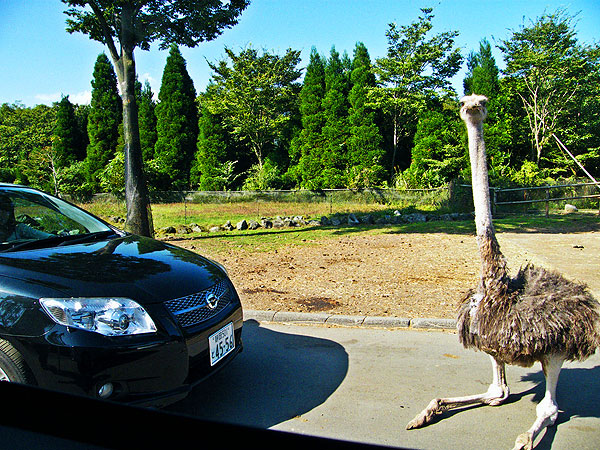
86 308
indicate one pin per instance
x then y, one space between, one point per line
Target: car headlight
107 316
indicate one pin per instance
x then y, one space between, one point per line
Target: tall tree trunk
139 215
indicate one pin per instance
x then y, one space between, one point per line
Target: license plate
221 343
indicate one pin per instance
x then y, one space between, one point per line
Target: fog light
105 390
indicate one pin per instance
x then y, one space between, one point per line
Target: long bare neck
493 265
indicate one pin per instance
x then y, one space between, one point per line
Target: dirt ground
394 275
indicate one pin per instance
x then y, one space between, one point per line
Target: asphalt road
365 384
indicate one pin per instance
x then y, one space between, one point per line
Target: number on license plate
221 343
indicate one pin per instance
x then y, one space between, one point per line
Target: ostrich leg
495 395
547 409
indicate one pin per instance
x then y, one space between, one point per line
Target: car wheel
12 366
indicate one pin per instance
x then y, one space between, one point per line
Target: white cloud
81 98
48 98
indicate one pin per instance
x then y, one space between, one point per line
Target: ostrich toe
425 416
524 442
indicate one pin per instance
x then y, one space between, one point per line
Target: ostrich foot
524 442
425 416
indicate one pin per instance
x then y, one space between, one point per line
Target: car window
30 215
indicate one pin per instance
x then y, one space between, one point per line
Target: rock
266 223
367 219
299 220
352 220
570 208
336 222
168 230
242 225
183 229
214 229
227 226
416 217
325 221
253 225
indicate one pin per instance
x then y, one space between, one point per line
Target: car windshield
29 216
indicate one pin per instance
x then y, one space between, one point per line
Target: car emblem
212 300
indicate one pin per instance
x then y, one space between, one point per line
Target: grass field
207 215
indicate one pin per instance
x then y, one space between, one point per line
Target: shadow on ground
277 377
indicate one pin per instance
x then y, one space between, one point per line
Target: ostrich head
473 108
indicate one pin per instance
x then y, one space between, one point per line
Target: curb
350 321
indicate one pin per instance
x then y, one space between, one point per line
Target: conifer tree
335 129
67 136
365 153
147 120
176 123
307 147
482 75
103 119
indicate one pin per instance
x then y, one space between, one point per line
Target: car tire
12 365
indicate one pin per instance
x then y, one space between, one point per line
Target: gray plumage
534 314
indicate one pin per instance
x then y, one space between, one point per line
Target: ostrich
536 316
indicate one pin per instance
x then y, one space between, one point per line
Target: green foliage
365 152
482 75
177 123
262 177
308 145
214 167
554 76
255 94
439 154
147 120
417 68
67 135
334 157
103 119
112 178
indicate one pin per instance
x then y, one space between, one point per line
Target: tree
213 167
123 26
482 72
176 123
334 158
24 131
554 76
255 98
103 119
415 69
439 154
308 145
147 121
68 139
365 154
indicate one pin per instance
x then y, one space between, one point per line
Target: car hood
144 269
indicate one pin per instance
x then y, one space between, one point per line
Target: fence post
547 202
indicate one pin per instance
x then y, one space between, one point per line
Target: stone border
351 321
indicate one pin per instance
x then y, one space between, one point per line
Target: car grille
196 308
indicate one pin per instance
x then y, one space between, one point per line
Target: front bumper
148 370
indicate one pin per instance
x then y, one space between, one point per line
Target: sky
40 61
